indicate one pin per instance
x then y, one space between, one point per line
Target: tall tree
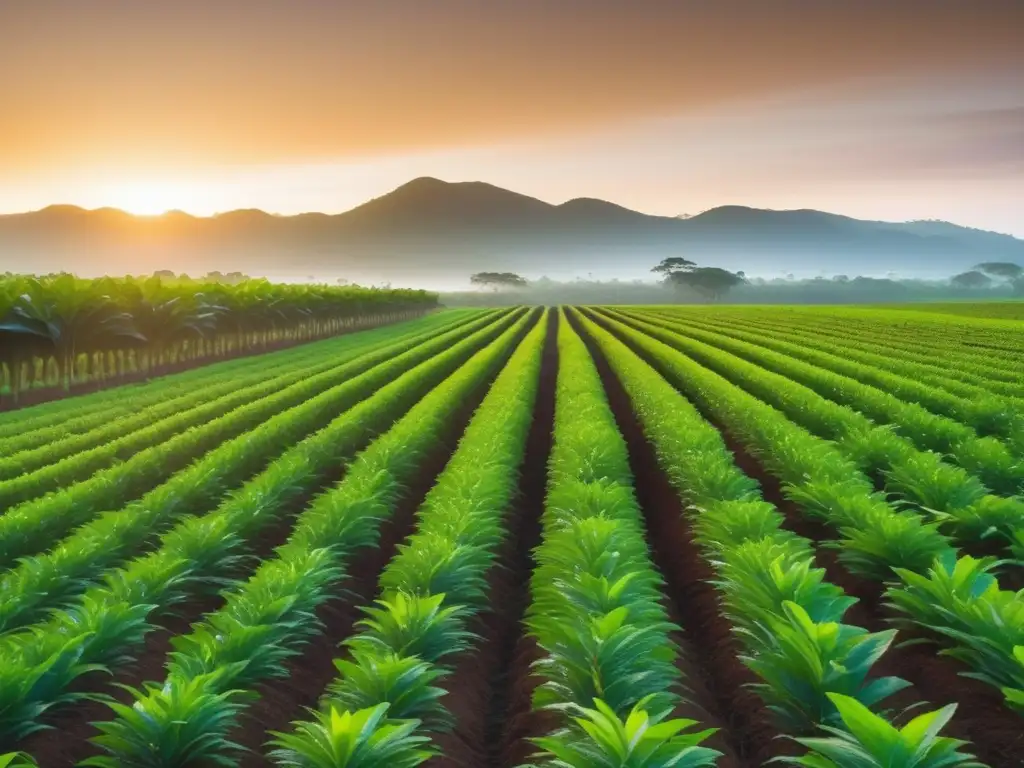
972 280
498 280
710 282
71 317
674 265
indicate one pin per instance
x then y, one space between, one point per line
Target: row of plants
940 354
985 457
1002 337
44 581
939 332
111 440
943 350
608 663
33 526
57 465
814 669
988 413
958 499
959 371
61 330
386 701
107 625
81 417
876 541
267 619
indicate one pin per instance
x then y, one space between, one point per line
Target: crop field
1004 310
577 537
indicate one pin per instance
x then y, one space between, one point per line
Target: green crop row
108 624
907 332
1001 337
268 618
45 581
814 669
987 413
607 661
116 437
385 702
985 457
56 473
32 527
876 541
82 412
954 363
960 501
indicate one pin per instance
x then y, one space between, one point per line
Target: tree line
710 282
61 330
686 282
714 283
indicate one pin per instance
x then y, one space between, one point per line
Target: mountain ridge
433 228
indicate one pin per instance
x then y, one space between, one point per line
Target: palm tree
91 329
166 320
70 316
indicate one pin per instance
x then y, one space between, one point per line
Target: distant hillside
430 231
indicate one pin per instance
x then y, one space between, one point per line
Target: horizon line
274 214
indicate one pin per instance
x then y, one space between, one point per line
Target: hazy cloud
165 83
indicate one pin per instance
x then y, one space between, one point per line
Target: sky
887 109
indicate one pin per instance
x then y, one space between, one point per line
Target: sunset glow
893 111
145 198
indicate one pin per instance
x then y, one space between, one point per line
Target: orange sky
212 105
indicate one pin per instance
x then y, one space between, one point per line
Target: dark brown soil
717 680
487 686
67 742
994 731
286 699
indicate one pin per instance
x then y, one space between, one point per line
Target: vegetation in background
61 330
710 282
685 283
498 280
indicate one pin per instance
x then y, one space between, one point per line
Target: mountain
430 232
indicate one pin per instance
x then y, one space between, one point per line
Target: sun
143 198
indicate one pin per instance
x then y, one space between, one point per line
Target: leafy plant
404 683
439 564
29 689
605 658
410 625
360 739
801 662
869 741
1015 696
759 577
641 740
177 723
961 599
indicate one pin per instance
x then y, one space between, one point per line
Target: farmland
577 537
61 334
